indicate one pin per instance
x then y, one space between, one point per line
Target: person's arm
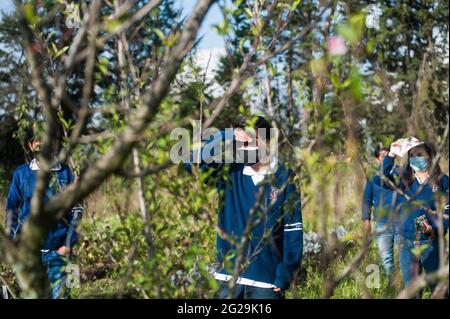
446 215
388 165
293 239
13 204
388 171
445 212
211 154
207 153
73 217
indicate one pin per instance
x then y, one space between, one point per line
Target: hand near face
242 136
395 146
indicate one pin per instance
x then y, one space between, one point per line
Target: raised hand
241 135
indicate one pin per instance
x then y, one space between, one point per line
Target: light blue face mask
419 163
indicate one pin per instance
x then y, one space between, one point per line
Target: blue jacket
424 196
368 198
18 205
274 250
375 197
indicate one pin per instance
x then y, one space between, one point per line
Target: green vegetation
335 85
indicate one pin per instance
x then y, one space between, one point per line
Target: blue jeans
411 265
387 234
247 292
55 264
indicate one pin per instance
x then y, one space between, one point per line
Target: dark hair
29 137
435 174
261 122
379 149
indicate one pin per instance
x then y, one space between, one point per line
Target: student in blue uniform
272 254
368 198
57 247
423 182
386 225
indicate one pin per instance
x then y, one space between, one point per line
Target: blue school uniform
423 196
18 210
273 252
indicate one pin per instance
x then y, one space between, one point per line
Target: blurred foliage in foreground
363 76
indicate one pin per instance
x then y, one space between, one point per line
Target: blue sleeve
293 239
13 204
206 152
387 166
73 218
445 210
387 169
367 200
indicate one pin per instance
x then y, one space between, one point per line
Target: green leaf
318 66
352 31
357 22
103 66
294 5
335 81
346 31
29 13
160 34
112 25
61 52
371 45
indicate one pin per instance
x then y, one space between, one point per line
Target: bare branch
424 280
114 158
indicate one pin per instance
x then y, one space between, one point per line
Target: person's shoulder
64 166
25 167
444 181
284 172
237 167
372 179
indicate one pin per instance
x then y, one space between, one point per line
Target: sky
6 5
211 46
210 38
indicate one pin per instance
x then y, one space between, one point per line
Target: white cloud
207 60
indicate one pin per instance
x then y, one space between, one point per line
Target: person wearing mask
260 208
417 194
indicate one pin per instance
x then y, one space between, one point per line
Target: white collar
34 166
248 170
420 182
258 177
